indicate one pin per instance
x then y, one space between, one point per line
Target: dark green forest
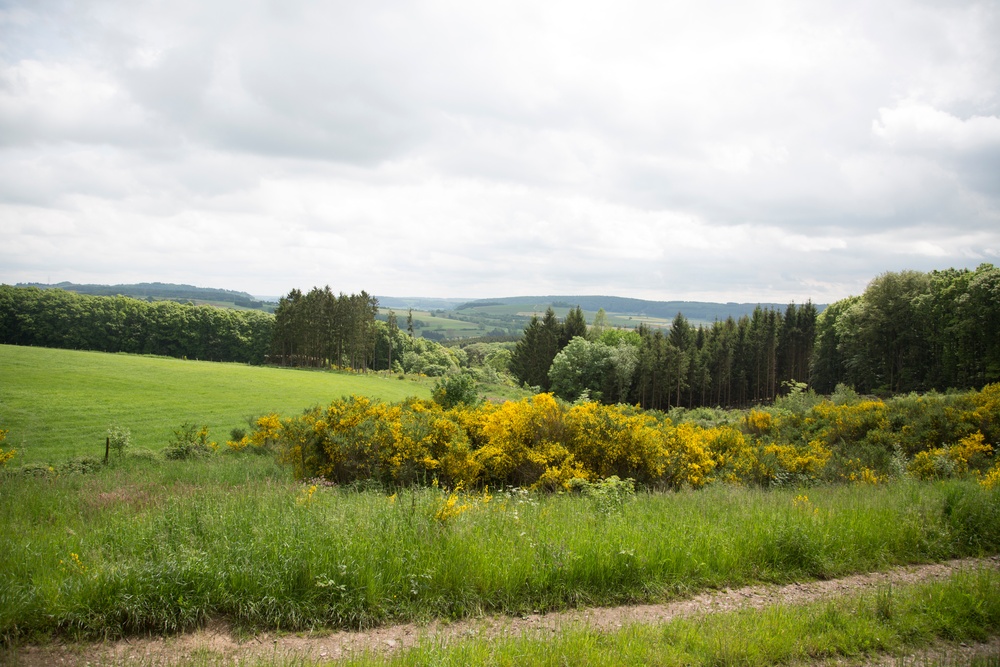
163 292
909 331
57 318
319 328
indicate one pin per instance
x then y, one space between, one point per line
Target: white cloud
920 127
728 150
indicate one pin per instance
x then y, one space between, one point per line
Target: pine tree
574 325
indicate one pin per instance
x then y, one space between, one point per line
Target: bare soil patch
217 641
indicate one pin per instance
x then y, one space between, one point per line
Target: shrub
119 439
190 442
609 494
525 445
541 443
7 455
944 462
360 438
455 390
261 440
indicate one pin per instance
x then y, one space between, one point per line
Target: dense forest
162 292
913 331
909 331
319 328
733 362
57 318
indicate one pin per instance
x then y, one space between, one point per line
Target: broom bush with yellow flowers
542 443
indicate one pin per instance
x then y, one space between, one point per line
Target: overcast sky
726 151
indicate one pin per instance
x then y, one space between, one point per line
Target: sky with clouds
707 150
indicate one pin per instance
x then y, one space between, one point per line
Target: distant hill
456 318
164 292
507 316
418 303
702 311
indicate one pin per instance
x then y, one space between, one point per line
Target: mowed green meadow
58 404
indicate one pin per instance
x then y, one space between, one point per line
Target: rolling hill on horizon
439 318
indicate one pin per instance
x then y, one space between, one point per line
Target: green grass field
148 545
59 403
160 546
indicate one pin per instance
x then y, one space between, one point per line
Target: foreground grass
965 608
59 403
162 547
908 621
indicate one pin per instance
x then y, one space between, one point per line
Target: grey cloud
781 147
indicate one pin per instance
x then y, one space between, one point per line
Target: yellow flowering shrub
361 438
991 480
688 459
735 455
953 460
847 422
607 441
267 431
776 462
985 413
7 455
523 440
541 443
758 422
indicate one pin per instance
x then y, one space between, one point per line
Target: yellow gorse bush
7 455
951 460
541 443
758 422
991 480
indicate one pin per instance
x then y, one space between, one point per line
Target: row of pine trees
730 362
909 331
319 328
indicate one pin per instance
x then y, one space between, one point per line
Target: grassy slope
58 403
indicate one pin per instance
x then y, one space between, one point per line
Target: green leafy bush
454 390
119 439
190 442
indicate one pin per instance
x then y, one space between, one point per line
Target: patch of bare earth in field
217 642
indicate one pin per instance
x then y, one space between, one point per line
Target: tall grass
59 403
161 547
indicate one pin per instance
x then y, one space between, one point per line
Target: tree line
61 319
316 328
319 328
913 331
731 362
909 331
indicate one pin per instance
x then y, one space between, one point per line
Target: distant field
59 403
445 326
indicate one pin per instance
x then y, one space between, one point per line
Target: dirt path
216 642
